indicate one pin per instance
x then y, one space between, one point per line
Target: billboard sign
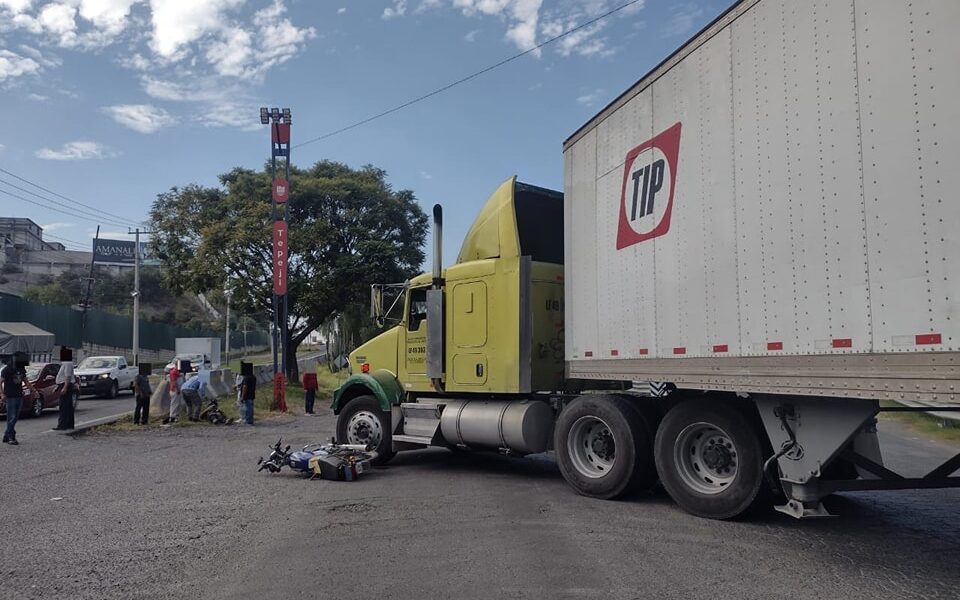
120 252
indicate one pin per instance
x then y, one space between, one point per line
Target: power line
468 77
113 220
123 222
66 241
59 210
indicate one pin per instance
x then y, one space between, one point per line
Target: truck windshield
97 363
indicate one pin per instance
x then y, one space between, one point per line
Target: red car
44 378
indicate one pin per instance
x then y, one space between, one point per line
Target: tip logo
646 197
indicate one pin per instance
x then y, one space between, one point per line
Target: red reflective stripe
614 353
644 351
588 354
929 338
680 350
843 343
721 348
774 345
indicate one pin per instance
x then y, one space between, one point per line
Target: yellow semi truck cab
501 307
480 341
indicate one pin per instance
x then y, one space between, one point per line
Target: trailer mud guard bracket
381 384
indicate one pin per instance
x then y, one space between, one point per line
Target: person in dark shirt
248 392
141 388
65 390
14 376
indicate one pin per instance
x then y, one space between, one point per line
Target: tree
348 228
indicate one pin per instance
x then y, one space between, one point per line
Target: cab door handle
479 369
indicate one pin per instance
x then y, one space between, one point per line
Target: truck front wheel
710 459
603 447
363 422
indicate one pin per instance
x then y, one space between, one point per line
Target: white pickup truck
105 375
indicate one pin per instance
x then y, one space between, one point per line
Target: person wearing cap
175 397
13 376
65 389
141 389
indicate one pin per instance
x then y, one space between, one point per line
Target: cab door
413 346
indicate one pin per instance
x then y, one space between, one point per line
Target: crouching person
141 388
193 396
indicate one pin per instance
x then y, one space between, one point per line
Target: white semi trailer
767 226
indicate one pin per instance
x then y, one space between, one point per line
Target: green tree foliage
348 228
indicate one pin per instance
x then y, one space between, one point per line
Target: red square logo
646 196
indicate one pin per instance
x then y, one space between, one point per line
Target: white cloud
2 147
426 175
682 19
472 35
232 53
590 98
79 150
144 118
38 97
398 9
16 6
522 16
341 10
109 16
55 226
15 65
177 23
59 19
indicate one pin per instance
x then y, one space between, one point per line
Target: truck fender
382 384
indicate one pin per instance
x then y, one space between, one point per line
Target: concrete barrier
160 401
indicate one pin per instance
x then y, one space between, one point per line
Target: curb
87 425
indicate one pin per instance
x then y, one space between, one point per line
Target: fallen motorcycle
335 462
213 414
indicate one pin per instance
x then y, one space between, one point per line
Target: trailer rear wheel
710 459
604 447
363 422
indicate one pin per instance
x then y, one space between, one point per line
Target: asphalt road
182 513
89 408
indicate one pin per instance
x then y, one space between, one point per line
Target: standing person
173 382
141 388
310 392
13 376
66 389
248 391
193 395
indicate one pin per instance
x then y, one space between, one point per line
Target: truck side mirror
376 305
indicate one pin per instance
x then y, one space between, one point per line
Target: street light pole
136 298
228 293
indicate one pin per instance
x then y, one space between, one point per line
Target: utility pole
136 299
86 296
279 122
136 294
228 293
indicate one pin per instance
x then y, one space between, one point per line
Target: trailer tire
362 421
710 459
604 447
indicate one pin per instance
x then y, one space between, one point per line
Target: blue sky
109 102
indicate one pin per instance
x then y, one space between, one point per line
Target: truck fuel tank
522 426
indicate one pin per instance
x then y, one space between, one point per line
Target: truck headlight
105 376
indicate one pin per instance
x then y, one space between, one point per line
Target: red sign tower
279 121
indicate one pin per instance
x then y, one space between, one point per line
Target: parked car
195 361
44 378
105 375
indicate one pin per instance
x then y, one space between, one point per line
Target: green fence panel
107 329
